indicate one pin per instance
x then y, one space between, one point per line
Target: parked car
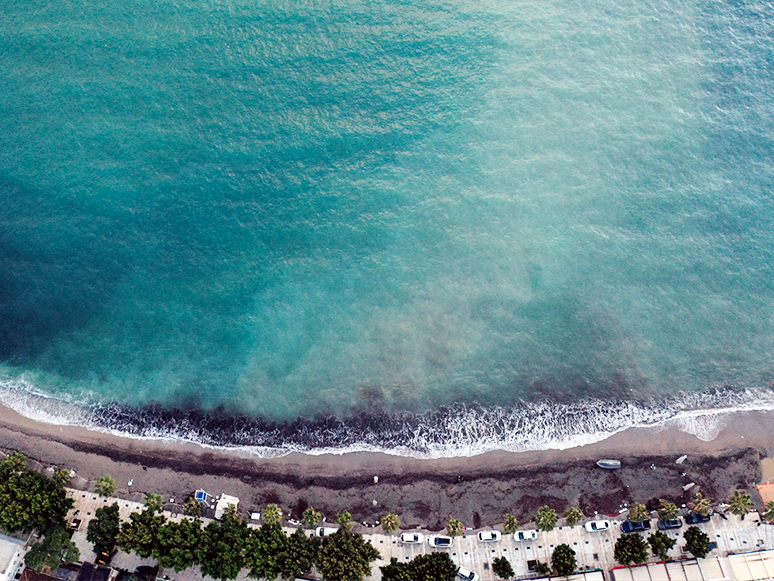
412 538
695 518
464 573
440 542
324 531
634 526
489 536
674 523
594 526
529 535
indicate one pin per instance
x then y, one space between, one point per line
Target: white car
324 531
440 542
412 538
464 573
594 526
489 536
529 535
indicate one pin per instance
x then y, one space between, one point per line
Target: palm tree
667 510
700 504
511 524
740 503
272 515
768 513
573 515
344 519
154 502
311 517
638 512
545 519
454 528
390 522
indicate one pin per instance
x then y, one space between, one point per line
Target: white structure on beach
223 503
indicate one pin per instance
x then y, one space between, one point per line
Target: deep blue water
305 208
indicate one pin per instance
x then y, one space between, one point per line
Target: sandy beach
478 490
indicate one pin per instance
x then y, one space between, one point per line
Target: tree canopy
630 548
660 544
432 567
697 542
740 503
105 486
454 527
345 556
103 529
140 534
545 519
262 551
502 568
300 555
638 512
55 547
30 500
563 560
573 515
511 524
667 510
223 547
178 544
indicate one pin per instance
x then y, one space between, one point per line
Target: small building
223 503
201 496
12 551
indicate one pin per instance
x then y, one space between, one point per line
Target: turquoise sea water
308 208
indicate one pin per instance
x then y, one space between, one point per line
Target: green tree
154 502
660 545
542 568
700 504
396 571
573 515
511 524
312 518
433 567
103 529
638 512
105 486
31 501
178 544
545 519
61 476
768 512
630 548
667 510
344 520
740 503
502 568
345 556
55 547
390 522
563 560
454 528
139 535
192 507
13 465
696 542
300 555
262 551
223 546
272 515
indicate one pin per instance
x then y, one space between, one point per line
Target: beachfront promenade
593 550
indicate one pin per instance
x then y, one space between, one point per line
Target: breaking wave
454 431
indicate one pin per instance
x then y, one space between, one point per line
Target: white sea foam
458 432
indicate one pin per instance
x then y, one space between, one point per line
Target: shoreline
424 492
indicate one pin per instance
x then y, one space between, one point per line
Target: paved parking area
594 550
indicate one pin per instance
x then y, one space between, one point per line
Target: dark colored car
674 523
633 526
695 518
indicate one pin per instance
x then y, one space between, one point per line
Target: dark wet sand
478 490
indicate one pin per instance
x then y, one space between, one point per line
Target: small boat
609 464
